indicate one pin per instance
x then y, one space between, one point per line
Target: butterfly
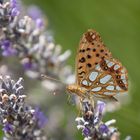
97 72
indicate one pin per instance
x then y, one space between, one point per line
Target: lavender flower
19 120
93 128
7 50
28 40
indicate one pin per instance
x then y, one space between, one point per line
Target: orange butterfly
97 72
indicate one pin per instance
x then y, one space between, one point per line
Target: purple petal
39 23
14 12
5 44
27 65
100 106
8 127
86 132
34 12
103 128
13 3
40 116
9 52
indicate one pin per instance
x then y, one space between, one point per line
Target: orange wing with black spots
91 51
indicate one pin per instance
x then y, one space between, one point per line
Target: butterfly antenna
50 78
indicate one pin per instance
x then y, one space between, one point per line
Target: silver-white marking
124 81
93 76
105 79
118 88
107 93
98 67
110 87
116 67
96 89
110 64
86 83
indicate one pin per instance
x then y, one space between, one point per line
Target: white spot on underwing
110 64
105 79
86 83
96 89
118 88
93 76
110 87
116 67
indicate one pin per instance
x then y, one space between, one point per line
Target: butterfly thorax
76 89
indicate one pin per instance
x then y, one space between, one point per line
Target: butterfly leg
80 106
90 98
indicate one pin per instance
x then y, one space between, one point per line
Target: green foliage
118 23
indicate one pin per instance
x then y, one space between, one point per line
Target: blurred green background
118 22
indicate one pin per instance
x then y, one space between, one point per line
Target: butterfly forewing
91 51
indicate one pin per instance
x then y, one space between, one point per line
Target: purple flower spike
86 132
40 116
23 125
103 128
8 128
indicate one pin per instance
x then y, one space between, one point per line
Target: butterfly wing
107 79
97 71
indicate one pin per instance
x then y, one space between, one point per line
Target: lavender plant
26 38
92 125
19 120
